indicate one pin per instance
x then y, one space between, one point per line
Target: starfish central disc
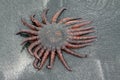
53 35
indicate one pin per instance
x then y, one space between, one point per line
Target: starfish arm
81 32
35 63
71 22
69 45
80 42
57 14
74 22
81 37
34 20
67 19
81 24
80 29
52 59
41 52
44 58
28 32
60 55
32 45
30 39
36 51
44 18
74 53
28 25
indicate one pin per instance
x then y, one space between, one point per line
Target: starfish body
50 39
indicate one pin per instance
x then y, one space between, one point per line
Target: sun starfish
48 39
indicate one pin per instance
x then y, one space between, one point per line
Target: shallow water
103 62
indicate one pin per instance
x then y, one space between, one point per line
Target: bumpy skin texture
49 39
